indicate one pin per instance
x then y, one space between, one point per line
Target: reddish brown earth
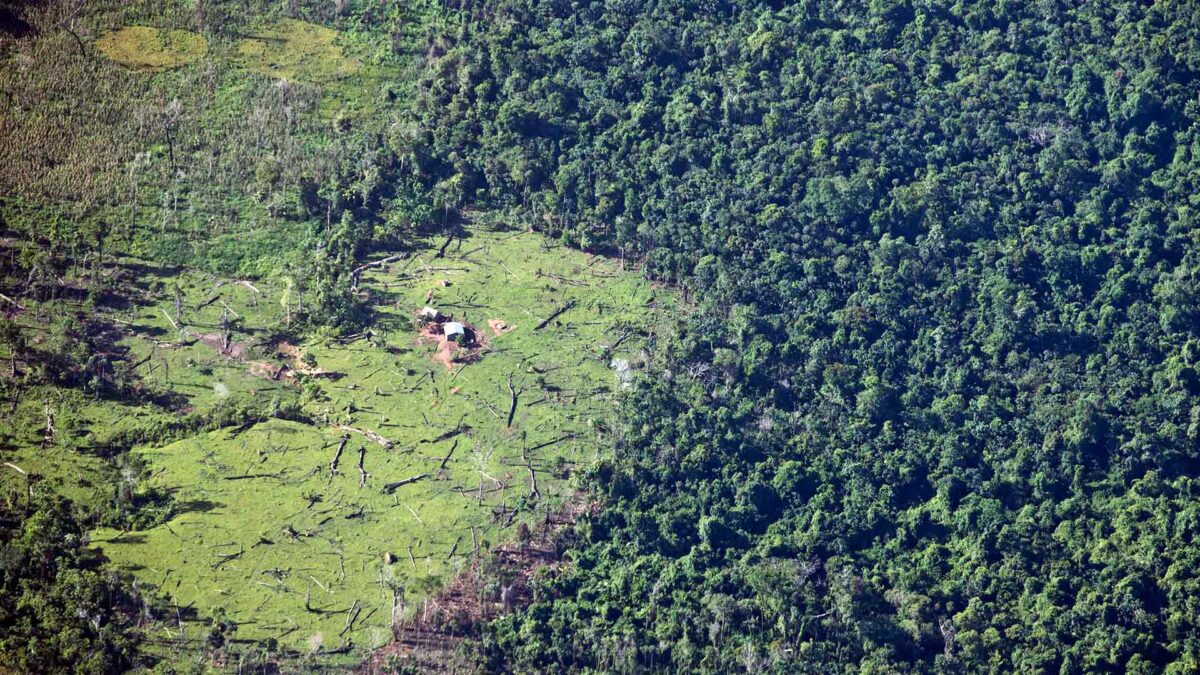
216 341
450 353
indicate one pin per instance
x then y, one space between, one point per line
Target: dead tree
48 439
512 410
534 494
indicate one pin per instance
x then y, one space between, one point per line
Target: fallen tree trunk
14 303
247 476
442 466
369 434
392 487
356 274
337 456
449 434
557 313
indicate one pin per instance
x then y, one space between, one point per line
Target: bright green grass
295 50
302 534
90 429
70 466
152 49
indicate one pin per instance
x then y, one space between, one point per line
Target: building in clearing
429 315
454 330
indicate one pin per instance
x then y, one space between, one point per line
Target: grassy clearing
70 466
152 49
291 550
197 387
295 50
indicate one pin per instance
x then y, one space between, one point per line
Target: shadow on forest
12 24
142 270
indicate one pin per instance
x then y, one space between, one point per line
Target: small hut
455 331
429 315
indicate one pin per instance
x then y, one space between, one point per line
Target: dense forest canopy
938 409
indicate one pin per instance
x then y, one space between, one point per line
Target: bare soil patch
450 353
234 350
499 327
295 355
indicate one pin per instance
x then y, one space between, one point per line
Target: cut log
12 302
247 476
369 434
337 456
442 466
362 473
357 272
557 313
392 487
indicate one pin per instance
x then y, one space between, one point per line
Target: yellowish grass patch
295 50
152 49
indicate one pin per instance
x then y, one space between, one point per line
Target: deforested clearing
277 525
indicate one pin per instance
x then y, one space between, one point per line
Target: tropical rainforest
866 335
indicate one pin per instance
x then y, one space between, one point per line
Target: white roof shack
453 329
429 313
